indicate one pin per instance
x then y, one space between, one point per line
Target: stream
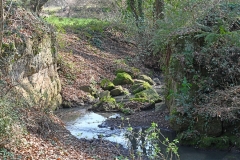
88 125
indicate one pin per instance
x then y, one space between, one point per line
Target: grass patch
77 24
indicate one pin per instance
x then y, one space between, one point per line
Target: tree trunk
159 8
34 5
1 26
140 12
133 9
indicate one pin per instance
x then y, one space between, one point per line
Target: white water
86 126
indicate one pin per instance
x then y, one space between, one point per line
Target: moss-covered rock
137 81
106 103
194 138
147 79
89 89
148 94
106 84
136 88
117 91
104 94
132 71
123 78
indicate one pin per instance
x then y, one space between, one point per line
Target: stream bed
88 125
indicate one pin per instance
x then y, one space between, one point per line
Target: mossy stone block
147 79
106 84
149 94
123 78
140 87
117 91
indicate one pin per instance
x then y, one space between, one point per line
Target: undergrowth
149 142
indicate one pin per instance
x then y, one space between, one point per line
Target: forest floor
47 137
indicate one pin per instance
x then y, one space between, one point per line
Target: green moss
108 100
106 84
120 70
149 94
141 95
132 71
126 111
140 87
117 91
207 142
123 78
147 79
222 142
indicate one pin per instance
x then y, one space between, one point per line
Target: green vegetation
132 71
78 24
142 100
161 147
8 117
196 45
140 87
123 78
218 142
106 84
149 94
146 78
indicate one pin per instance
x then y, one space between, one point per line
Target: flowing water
89 125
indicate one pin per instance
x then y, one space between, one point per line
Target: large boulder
132 71
147 79
89 89
117 91
107 106
148 95
139 86
106 103
106 84
123 78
